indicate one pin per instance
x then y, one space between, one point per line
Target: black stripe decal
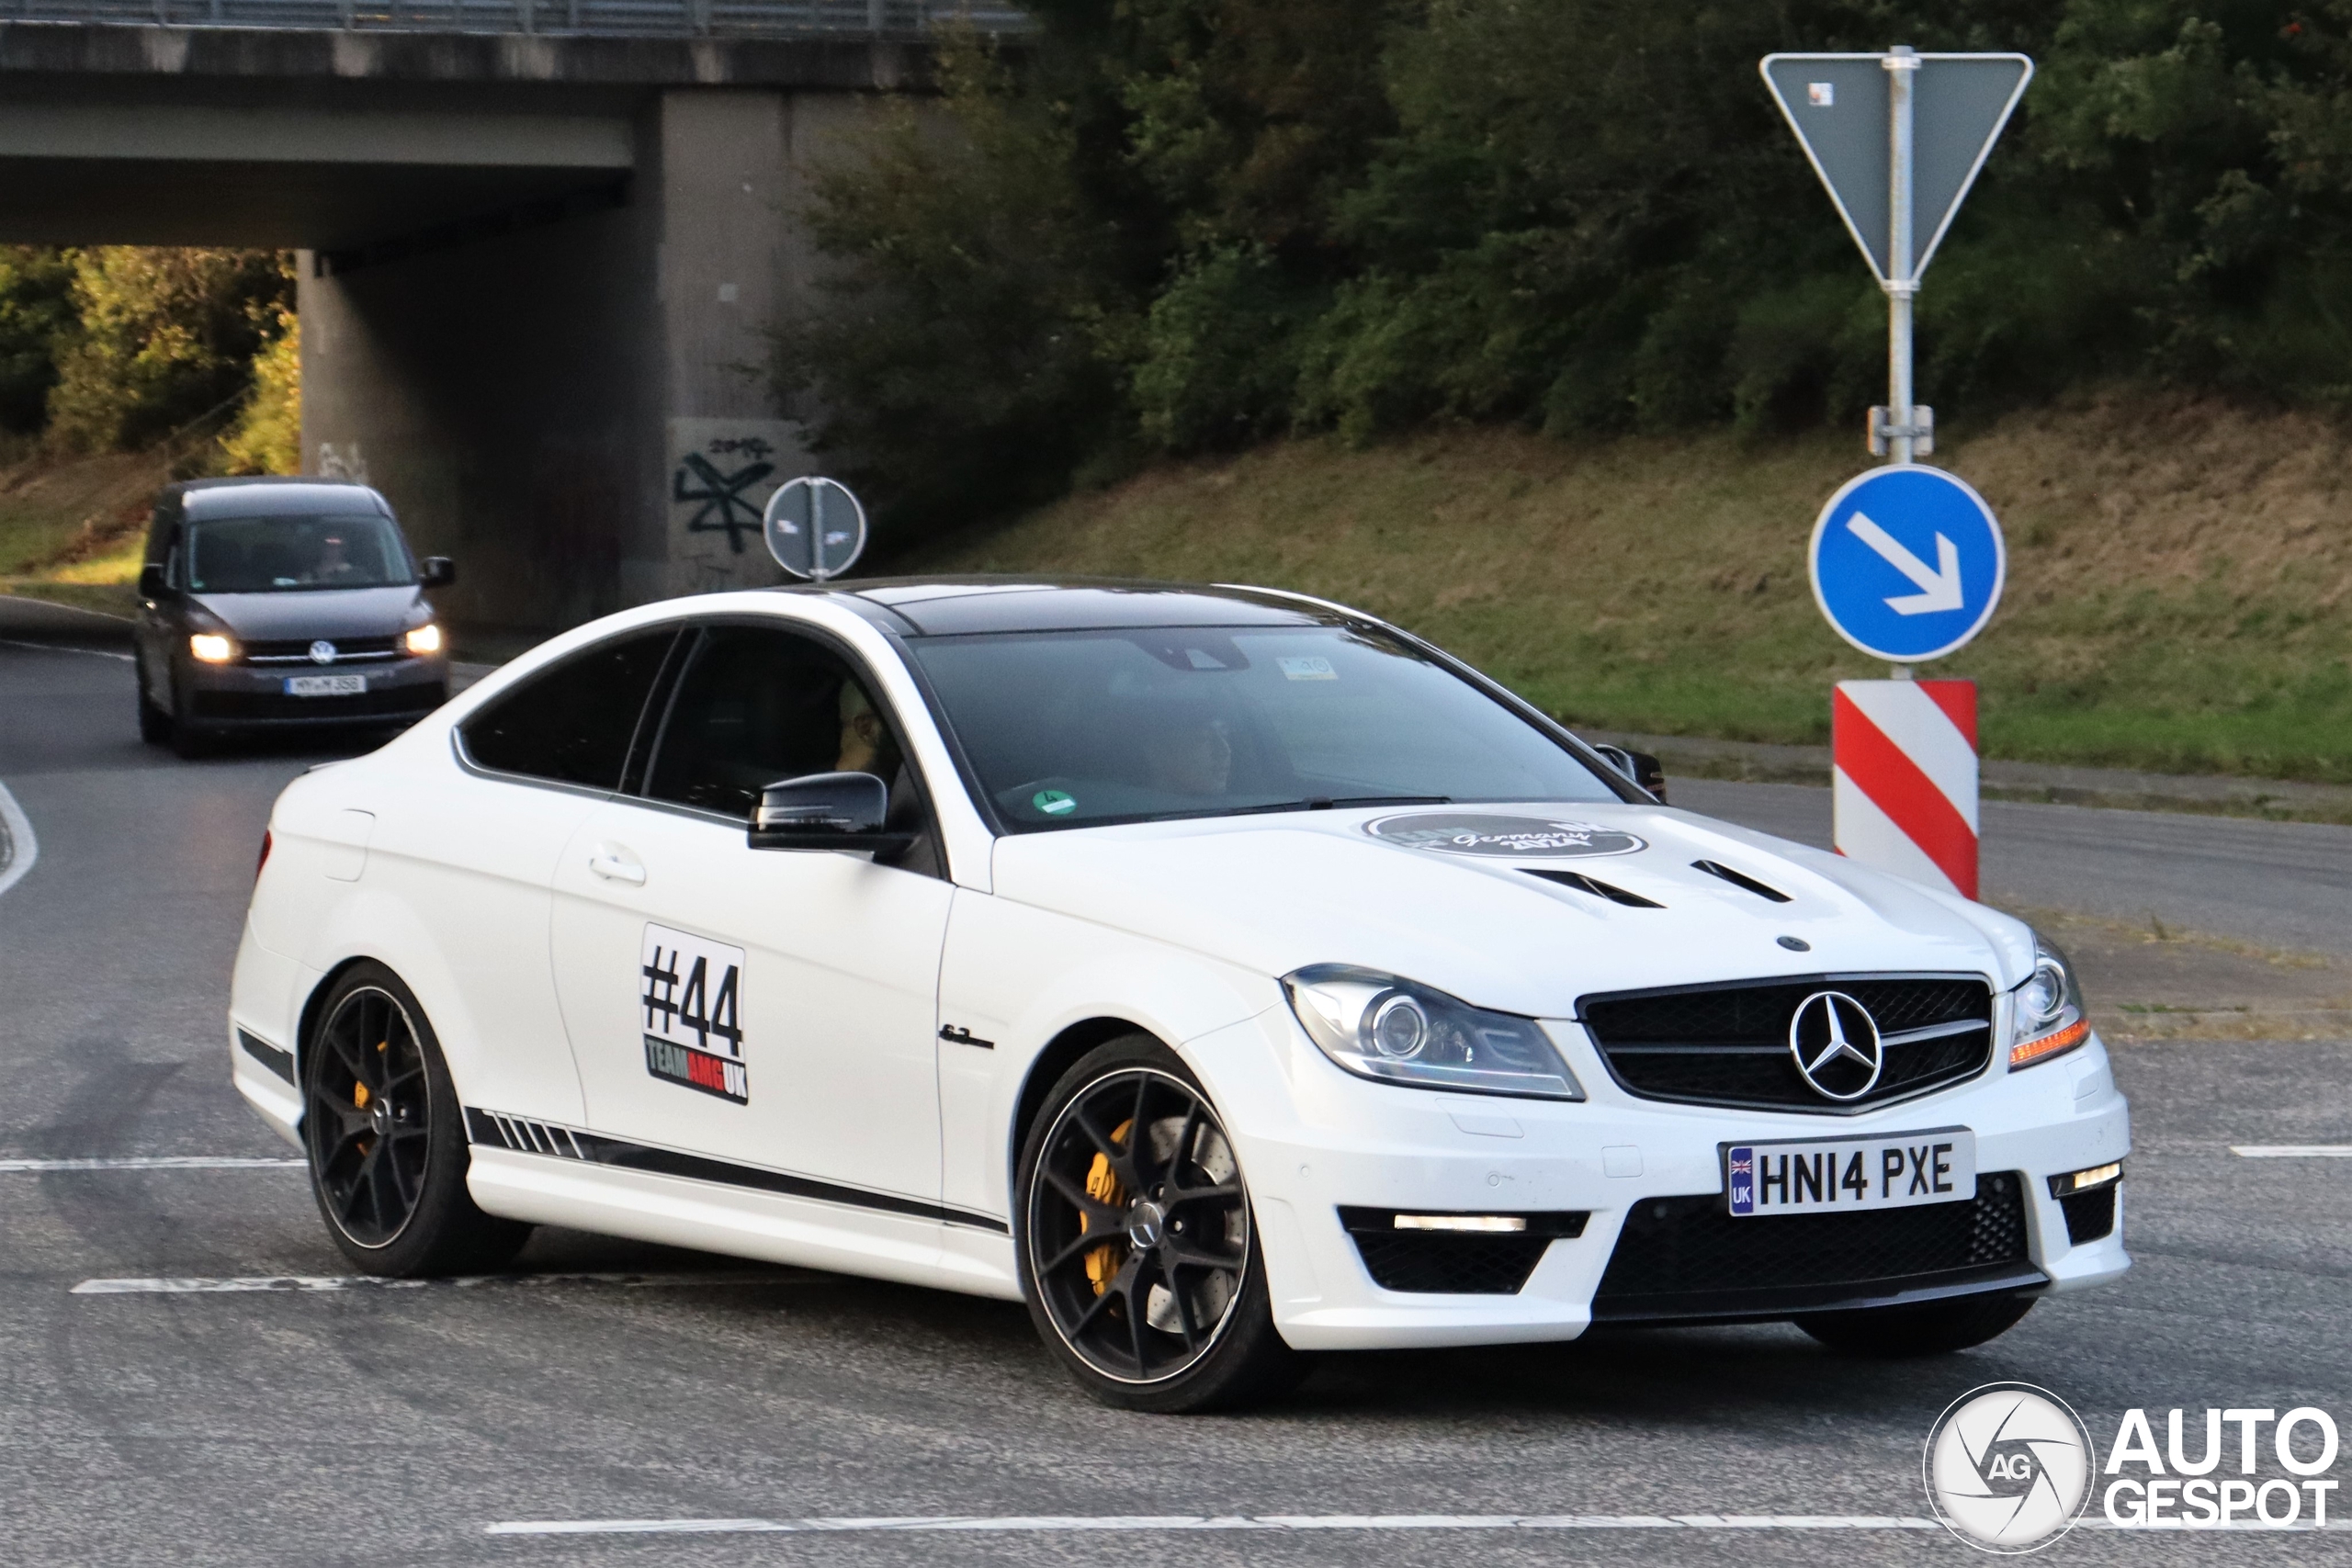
523 1136
269 1056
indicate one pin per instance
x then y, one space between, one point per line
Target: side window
572 723
756 705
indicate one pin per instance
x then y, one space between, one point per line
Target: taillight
264 854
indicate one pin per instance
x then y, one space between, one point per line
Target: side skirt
528 1169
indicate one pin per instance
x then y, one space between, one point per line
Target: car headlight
423 639
2048 1010
1379 1026
211 648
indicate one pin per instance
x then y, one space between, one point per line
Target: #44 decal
689 1001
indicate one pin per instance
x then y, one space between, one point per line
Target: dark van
271 603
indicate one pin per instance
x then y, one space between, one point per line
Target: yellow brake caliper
1103 1185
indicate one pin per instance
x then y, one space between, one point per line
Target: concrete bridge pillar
577 409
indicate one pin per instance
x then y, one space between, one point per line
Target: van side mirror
151 581
826 811
1639 766
438 571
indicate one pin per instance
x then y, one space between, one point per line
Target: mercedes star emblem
1836 1043
323 652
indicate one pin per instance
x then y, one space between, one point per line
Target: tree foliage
162 338
1183 224
267 435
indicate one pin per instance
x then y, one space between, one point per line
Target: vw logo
1836 1043
323 652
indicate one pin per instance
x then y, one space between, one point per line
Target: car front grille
1728 1045
390 702
347 651
1688 1257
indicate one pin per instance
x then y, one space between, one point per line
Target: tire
154 724
1930 1329
385 1138
1152 1317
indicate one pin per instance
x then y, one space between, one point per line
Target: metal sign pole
1902 283
817 572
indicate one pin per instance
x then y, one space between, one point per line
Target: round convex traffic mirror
815 527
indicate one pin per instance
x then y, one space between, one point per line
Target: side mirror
1639 766
826 811
438 571
151 581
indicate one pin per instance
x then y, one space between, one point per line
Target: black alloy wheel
1137 1244
369 1113
386 1136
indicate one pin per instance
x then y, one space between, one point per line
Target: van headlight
211 648
1380 1026
2047 1010
422 640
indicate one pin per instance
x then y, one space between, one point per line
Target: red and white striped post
1905 778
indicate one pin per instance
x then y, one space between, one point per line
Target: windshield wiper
1328 802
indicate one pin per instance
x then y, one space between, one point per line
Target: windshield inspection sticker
1308 669
1506 838
691 1006
1053 803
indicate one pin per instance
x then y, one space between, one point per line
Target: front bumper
249 697
1315 1141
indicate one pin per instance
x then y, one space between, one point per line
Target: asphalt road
396 1425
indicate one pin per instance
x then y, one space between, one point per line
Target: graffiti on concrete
721 473
724 501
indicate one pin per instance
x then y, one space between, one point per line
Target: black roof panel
946 607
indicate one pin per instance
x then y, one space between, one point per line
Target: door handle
612 868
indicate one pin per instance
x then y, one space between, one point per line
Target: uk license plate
325 686
1824 1175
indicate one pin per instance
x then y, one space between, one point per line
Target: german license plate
325 686
1825 1175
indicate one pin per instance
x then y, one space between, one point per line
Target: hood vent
1741 879
1593 885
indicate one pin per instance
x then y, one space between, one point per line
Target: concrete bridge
540 242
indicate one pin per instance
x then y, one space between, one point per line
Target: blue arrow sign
1907 563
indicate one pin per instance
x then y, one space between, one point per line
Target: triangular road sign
1838 105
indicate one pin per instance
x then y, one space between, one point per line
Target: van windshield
272 555
1068 729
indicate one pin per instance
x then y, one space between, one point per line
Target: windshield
1074 727
265 555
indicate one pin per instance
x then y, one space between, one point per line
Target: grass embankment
72 529
2179 592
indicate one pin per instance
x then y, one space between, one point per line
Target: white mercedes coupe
1224 974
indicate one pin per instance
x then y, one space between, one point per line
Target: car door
469 849
770 1007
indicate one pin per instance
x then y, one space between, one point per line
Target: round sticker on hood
1506 838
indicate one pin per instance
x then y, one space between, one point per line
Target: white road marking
1153 1523
1058 1524
60 648
2293 1151
18 848
315 1283
153 1162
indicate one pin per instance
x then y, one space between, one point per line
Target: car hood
1276 893
316 612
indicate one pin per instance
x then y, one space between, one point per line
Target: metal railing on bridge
705 18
